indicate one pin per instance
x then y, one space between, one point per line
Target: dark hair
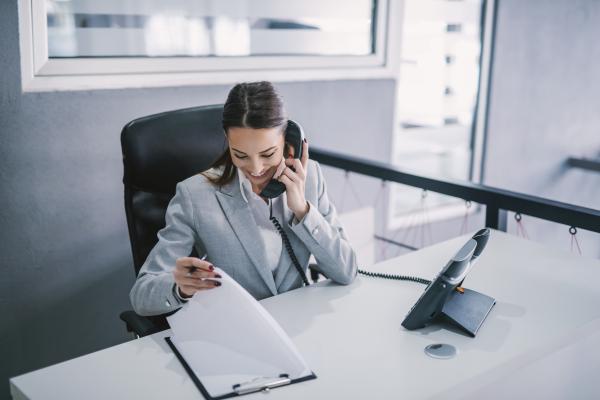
254 105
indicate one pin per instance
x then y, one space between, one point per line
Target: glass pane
155 28
441 48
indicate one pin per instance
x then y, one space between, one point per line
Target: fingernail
305 141
217 283
211 267
218 276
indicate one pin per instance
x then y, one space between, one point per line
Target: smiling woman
258 165
221 214
254 131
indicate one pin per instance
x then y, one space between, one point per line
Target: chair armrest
314 272
139 325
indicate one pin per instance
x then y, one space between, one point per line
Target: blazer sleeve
321 232
154 290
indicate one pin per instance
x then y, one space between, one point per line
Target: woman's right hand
193 274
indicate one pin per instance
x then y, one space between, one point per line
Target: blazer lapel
240 218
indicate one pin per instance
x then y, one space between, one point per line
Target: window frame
41 73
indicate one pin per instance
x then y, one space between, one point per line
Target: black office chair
159 151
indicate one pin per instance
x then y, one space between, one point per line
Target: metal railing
584 163
497 201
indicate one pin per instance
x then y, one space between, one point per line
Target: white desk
546 316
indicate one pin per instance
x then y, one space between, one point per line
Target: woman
221 214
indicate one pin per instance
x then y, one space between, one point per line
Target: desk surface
545 321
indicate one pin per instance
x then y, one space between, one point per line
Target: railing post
495 218
502 220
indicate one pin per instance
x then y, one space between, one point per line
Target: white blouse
260 212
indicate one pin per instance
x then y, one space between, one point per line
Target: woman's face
256 152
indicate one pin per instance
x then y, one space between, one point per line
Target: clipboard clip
261 384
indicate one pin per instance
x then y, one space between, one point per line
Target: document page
228 338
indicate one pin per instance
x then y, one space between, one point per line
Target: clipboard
238 389
230 345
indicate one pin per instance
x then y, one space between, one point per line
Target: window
439 89
71 44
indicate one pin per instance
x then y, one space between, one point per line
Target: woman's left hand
294 182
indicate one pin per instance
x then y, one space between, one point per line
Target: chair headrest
163 149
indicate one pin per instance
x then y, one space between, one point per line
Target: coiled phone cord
290 251
287 244
395 277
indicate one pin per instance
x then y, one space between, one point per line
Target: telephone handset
294 136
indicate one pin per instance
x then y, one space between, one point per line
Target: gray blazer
217 222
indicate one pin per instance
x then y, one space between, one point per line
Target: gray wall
64 248
545 107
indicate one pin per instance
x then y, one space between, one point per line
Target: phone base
467 310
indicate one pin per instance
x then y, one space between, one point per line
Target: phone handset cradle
467 309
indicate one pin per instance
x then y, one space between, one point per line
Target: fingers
199 283
304 158
297 166
289 184
197 274
293 177
280 168
195 262
194 266
193 274
293 184
183 273
187 277
189 290
304 153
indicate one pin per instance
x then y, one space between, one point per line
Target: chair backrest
159 151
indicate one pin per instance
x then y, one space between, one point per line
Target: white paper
227 337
